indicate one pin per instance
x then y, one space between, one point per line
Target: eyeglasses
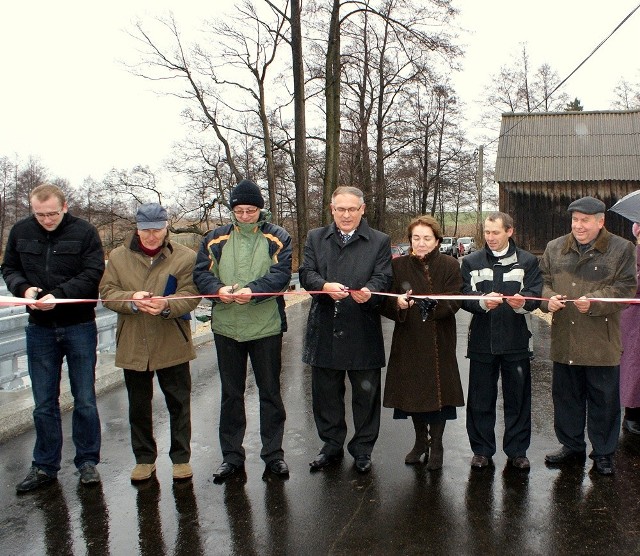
43 215
344 210
248 212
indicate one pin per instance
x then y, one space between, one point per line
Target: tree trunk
332 96
300 167
268 153
424 193
436 181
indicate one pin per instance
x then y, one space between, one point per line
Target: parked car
466 245
396 251
449 245
399 249
406 247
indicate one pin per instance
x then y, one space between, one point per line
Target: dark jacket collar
601 242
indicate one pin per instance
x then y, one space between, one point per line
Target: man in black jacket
499 342
348 260
53 255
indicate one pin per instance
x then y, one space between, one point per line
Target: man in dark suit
348 260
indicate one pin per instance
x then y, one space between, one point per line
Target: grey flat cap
151 216
587 205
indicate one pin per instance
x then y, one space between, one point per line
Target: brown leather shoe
480 462
520 462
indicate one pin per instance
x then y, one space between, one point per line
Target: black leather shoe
36 478
564 456
603 465
278 467
225 470
323 460
480 462
363 463
632 426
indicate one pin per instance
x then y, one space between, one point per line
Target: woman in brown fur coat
423 381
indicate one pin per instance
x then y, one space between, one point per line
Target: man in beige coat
153 334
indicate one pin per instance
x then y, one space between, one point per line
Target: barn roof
569 146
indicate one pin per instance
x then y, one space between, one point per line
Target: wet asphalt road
396 509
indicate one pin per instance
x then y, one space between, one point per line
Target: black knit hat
246 193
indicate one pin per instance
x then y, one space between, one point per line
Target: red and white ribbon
9 301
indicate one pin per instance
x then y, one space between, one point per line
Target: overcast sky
66 98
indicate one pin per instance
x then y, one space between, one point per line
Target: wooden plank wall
539 209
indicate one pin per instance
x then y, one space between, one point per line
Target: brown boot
437 451
421 445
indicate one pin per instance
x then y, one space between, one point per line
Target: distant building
546 160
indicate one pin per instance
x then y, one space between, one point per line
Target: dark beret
587 205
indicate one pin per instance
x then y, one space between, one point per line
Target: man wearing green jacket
153 334
236 261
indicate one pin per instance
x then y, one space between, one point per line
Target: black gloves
426 306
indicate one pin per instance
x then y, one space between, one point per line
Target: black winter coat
502 330
344 334
67 263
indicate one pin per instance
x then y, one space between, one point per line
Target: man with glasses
348 260
236 261
54 255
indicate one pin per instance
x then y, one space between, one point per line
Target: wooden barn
546 160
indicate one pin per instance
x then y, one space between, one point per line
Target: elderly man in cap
154 335
590 262
235 262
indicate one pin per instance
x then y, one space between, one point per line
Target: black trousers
585 394
175 383
328 389
481 406
265 355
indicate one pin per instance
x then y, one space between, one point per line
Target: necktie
344 237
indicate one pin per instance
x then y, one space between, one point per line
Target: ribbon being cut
10 301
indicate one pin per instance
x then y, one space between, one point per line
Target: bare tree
393 49
627 95
139 184
513 89
160 64
299 157
7 185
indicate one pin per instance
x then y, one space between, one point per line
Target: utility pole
479 180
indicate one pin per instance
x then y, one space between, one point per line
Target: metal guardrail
14 373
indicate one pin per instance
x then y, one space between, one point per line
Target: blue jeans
46 348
